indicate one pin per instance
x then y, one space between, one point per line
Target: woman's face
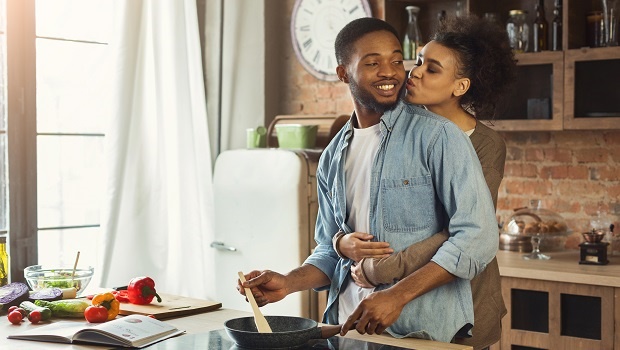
433 81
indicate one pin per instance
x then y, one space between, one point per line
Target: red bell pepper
141 291
121 295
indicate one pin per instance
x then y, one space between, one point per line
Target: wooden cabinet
558 303
576 88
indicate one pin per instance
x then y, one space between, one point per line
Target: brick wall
572 172
575 173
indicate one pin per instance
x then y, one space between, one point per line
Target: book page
133 329
56 332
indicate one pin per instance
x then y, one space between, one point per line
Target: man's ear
462 85
342 74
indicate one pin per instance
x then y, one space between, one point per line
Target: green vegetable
29 306
65 307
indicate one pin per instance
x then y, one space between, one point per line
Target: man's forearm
306 277
427 278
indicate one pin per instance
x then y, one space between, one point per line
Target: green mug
256 137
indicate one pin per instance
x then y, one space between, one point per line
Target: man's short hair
353 31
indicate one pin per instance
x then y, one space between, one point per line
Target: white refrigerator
265 206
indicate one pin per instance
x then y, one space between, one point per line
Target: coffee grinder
593 251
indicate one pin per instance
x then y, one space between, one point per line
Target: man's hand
375 313
357 245
357 273
267 286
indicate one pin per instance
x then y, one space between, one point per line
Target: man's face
375 72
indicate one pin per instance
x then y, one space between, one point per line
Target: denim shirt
425 176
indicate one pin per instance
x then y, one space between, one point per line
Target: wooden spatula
261 322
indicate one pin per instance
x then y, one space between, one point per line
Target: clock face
314 26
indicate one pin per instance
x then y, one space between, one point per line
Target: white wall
243 69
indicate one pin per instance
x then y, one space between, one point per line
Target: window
71 72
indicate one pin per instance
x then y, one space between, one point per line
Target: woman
460 74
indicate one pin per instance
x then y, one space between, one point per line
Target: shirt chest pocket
408 205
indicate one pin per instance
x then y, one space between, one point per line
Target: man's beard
367 100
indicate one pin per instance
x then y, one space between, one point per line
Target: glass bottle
540 28
518 30
4 262
556 27
412 40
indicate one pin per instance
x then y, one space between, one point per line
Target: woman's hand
357 273
357 245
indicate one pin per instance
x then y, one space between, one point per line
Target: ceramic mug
256 137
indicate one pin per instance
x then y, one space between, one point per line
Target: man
402 174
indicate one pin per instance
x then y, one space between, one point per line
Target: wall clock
314 26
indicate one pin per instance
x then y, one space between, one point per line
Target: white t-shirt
357 171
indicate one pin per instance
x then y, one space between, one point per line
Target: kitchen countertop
562 267
202 323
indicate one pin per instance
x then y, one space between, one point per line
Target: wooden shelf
547 75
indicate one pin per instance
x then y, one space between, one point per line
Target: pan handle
329 330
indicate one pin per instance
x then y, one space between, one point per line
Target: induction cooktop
219 340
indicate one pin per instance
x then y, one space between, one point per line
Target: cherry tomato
96 314
34 316
12 308
22 311
15 317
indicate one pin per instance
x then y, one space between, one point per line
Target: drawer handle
222 246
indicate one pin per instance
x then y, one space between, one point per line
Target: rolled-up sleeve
324 257
461 188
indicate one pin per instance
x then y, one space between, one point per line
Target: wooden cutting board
171 306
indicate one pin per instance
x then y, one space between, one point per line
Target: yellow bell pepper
108 301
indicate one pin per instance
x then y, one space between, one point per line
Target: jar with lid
412 41
518 30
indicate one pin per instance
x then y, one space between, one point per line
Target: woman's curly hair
484 56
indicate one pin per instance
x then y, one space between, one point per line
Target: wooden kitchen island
558 303
203 323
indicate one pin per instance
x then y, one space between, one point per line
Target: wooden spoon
261 322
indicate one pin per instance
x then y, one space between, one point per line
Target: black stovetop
219 340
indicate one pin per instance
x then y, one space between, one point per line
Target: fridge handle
222 246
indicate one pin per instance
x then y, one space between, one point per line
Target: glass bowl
39 277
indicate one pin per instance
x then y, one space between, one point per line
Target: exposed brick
513 170
612 137
558 155
591 155
614 153
530 171
514 153
534 154
607 173
578 172
565 172
523 138
571 138
324 92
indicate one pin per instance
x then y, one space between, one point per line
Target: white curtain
157 213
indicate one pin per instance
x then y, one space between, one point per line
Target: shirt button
406 182
344 267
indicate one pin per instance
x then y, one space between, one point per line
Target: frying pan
288 332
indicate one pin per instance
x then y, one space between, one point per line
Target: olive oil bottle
4 262
540 28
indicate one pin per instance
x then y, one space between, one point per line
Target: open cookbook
130 331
